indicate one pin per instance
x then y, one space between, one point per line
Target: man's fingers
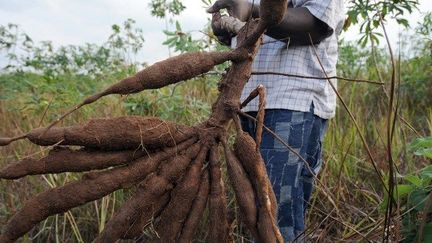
216 17
218 5
215 23
224 39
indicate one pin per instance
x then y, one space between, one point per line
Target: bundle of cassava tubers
176 169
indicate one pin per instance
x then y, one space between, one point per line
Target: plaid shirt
276 56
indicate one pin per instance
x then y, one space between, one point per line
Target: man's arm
295 28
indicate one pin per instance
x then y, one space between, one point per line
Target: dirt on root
119 133
244 192
197 210
64 159
250 158
170 71
154 186
146 217
172 218
218 224
91 187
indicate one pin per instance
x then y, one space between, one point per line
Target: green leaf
422 147
115 28
403 190
178 27
426 172
427 152
427 235
415 180
403 22
418 199
169 41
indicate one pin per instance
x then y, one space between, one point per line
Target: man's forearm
296 26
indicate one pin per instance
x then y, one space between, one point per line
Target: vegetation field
351 200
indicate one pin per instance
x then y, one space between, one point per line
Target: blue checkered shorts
292 181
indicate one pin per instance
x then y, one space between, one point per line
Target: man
297 109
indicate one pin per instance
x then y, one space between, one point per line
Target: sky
75 22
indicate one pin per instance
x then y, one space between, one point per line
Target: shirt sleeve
331 12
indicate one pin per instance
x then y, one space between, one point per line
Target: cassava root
245 149
244 192
176 167
218 225
64 159
173 216
90 188
114 134
151 189
197 210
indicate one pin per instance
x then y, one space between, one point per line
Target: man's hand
240 9
296 26
221 34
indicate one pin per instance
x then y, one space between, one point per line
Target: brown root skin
7 141
233 83
273 201
41 136
152 188
260 115
180 68
244 192
145 218
261 92
245 149
172 171
265 230
197 210
63 159
172 217
218 225
119 133
61 199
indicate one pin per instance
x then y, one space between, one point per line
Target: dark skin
295 28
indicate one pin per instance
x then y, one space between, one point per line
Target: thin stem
251 96
7 141
404 121
391 124
344 224
309 77
261 92
63 116
46 110
314 77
